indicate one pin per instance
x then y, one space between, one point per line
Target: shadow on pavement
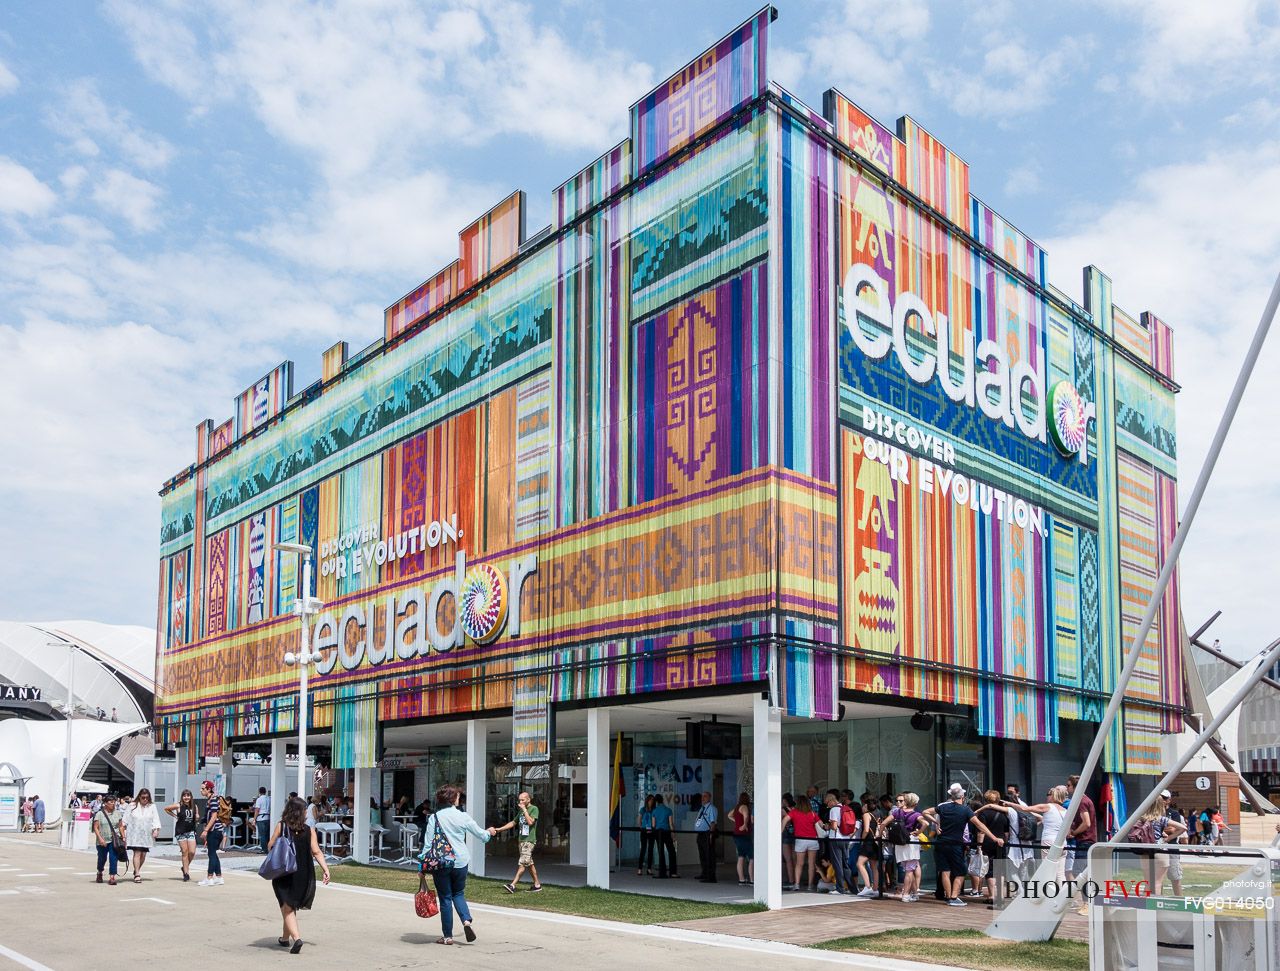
419 938
269 944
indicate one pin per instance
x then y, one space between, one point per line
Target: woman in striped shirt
213 832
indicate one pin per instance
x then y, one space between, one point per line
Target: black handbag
117 842
283 858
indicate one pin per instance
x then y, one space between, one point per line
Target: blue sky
191 192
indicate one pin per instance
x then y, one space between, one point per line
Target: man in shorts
526 826
953 816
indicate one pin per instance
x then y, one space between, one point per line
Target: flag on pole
619 790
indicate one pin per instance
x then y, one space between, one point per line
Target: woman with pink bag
446 858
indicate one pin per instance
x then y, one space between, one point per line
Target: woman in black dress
295 891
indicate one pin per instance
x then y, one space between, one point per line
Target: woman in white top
1051 815
313 812
142 827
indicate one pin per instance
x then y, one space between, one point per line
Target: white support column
228 761
279 778
767 751
477 795
362 782
835 771
226 767
599 784
179 773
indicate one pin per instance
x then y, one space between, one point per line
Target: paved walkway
56 917
855 917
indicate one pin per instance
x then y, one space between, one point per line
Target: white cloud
872 52
103 407
376 85
550 88
21 192
1023 180
1187 49
896 60
1012 79
405 226
72 178
8 80
1261 114
378 98
167 47
130 198
94 438
86 119
1191 243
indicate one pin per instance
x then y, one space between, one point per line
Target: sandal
137 879
282 941
444 940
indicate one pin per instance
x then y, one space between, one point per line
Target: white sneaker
866 892
206 882
216 882
957 902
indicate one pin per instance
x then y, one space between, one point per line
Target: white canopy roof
107 657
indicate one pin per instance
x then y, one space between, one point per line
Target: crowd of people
835 842
870 846
33 815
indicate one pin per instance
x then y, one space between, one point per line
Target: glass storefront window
558 788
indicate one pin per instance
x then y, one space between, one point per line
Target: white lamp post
71 710
305 606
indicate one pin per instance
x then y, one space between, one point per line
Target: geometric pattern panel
699 378
704 92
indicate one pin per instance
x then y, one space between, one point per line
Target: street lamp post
71 710
304 606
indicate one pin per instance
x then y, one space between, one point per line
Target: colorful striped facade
765 405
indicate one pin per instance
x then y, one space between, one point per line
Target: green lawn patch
631 908
968 949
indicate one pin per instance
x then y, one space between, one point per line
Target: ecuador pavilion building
776 425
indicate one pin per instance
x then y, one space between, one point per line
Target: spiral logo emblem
482 604
1070 418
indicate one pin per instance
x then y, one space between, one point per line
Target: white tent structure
84 668
38 747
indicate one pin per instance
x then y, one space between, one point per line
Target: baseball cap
1166 794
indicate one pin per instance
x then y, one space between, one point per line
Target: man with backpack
217 816
840 822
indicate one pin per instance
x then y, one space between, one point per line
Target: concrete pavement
56 917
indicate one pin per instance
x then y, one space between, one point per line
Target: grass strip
631 908
968 949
